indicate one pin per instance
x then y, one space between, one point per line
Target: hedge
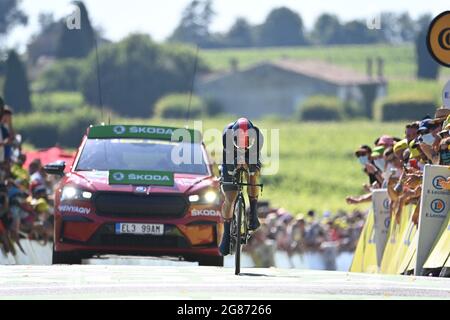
63 75
175 106
44 130
59 101
411 106
321 108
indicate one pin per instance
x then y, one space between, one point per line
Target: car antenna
99 83
188 114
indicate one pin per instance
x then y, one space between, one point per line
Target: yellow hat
41 205
446 122
401 145
414 152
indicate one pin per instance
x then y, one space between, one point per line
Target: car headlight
210 196
207 197
72 193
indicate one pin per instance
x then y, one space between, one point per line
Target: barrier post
380 202
434 206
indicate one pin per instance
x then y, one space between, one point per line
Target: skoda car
137 190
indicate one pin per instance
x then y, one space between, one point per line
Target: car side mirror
56 168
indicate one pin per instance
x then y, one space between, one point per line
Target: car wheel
65 258
431 272
212 261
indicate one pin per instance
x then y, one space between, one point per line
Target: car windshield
148 155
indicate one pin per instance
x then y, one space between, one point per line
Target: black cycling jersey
232 156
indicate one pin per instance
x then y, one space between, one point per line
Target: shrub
175 106
321 108
48 129
57 101
410 106
63 75
72 128
213 107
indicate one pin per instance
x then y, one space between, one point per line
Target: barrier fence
413 239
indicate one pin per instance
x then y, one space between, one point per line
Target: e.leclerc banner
380 202
434 207
141 178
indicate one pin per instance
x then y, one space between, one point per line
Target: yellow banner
441 248
392 256
365 257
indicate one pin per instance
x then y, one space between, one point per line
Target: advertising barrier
418 240
391 260
435 204
441 249
382 218
365 257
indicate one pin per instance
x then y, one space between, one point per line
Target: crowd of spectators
25 207
392 163
397 163
301 234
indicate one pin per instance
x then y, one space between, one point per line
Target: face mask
363 160
379 163
428 139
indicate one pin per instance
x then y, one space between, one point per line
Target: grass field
317 168
399 60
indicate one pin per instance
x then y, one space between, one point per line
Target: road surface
194 282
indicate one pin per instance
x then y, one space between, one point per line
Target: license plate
140 228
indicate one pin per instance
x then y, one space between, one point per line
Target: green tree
77 43
46 41
136 72
240 34
63 75
16 89
282 27
195 23
408 27
356 32
10 15
427 68
326 30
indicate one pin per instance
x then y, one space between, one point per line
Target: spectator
19 173
4 136
262 249
296 232
385 141
411 131
364 155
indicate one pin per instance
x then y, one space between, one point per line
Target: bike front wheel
241 232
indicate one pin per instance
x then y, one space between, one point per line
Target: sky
159 17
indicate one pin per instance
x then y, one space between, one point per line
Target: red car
128 193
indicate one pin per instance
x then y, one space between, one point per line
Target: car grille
131 205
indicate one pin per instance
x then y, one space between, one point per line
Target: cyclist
242 143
